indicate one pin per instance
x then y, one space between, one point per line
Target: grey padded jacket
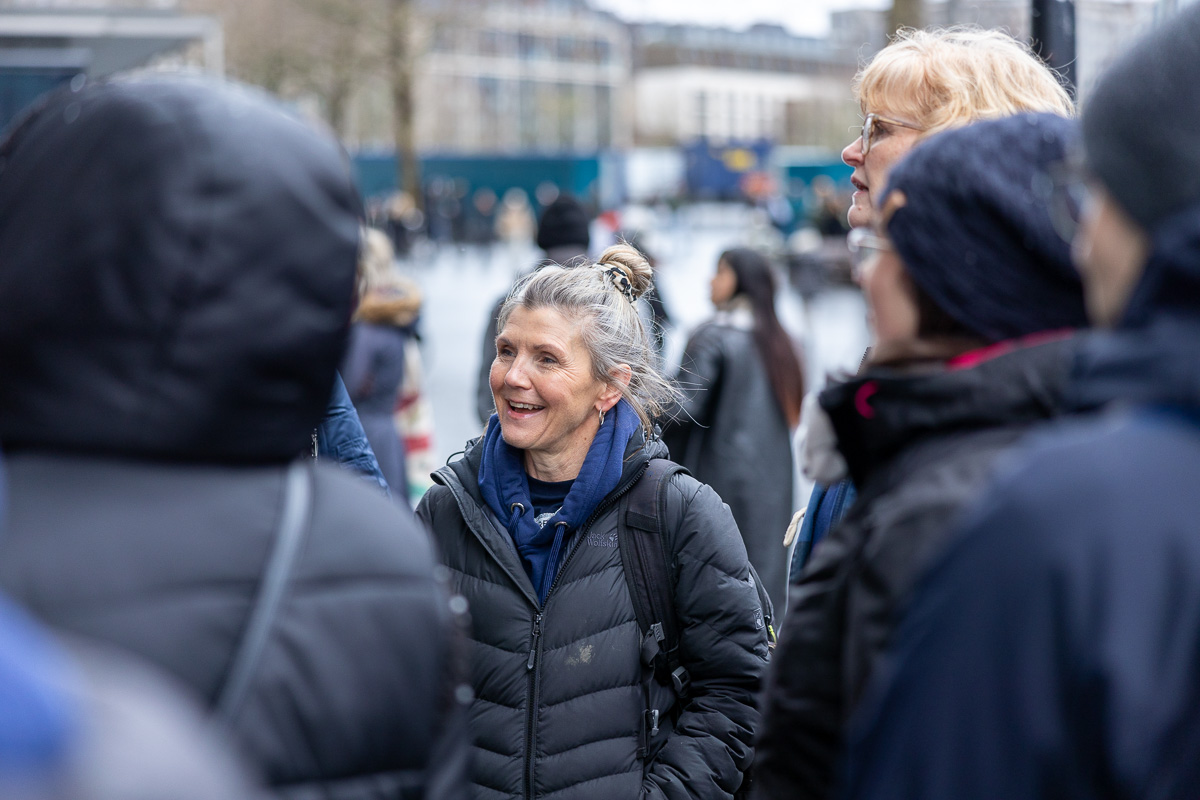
560 691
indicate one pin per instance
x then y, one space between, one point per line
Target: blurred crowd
231 567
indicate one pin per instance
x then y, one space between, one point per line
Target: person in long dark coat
742 386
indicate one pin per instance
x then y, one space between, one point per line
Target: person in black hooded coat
959 373
177 261
1054 652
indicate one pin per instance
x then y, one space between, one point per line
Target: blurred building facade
691 82
44 43
1103 27
504 77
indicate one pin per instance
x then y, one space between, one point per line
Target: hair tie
621 281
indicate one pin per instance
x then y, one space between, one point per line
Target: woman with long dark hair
742 387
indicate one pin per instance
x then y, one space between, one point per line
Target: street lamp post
1053 29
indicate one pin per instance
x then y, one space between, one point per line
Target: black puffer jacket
730 433
919 447
177 259
560 692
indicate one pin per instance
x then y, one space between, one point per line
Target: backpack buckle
681 680
652 644
652 721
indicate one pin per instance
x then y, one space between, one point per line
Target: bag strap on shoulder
293 522
646 560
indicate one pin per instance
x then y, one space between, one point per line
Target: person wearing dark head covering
973 301
1054 652
564 237
177 262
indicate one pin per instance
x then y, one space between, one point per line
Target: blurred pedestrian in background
655 315
742 384
1055 651
515 221
373 367
531 521
922 83
178 270
973 298
563 234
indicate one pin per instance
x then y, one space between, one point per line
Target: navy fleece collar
505 488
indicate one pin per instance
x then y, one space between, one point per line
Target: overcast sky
799 16
807 17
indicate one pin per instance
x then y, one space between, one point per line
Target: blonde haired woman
924 82
528 522
928 81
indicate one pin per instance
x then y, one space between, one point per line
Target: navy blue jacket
340 437
827 506
1055 650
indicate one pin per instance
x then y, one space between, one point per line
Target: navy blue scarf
505 488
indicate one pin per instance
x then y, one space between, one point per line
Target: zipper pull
537 632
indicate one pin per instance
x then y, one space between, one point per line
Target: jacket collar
877 414
1152 357
1155 364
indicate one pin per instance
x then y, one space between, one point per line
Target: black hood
1170 281
1157 364
886 410
1152 356
177 261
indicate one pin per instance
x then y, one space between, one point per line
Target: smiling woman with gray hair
530 523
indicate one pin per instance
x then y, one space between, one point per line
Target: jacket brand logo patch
602 539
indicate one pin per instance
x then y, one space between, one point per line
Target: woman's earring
602 417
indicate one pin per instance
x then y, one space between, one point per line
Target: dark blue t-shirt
547 497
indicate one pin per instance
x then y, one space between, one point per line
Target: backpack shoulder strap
643 546
289 537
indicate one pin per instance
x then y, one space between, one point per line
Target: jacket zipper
533 665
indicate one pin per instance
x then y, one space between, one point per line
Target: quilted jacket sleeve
724 648
804 704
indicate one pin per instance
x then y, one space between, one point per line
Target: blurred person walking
923 82
534 521
973 297
563 235
742 385
177 276
1055 651
374 365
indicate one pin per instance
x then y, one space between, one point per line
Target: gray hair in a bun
604 297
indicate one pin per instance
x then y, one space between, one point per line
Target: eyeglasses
864 248
1065 189
869 128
